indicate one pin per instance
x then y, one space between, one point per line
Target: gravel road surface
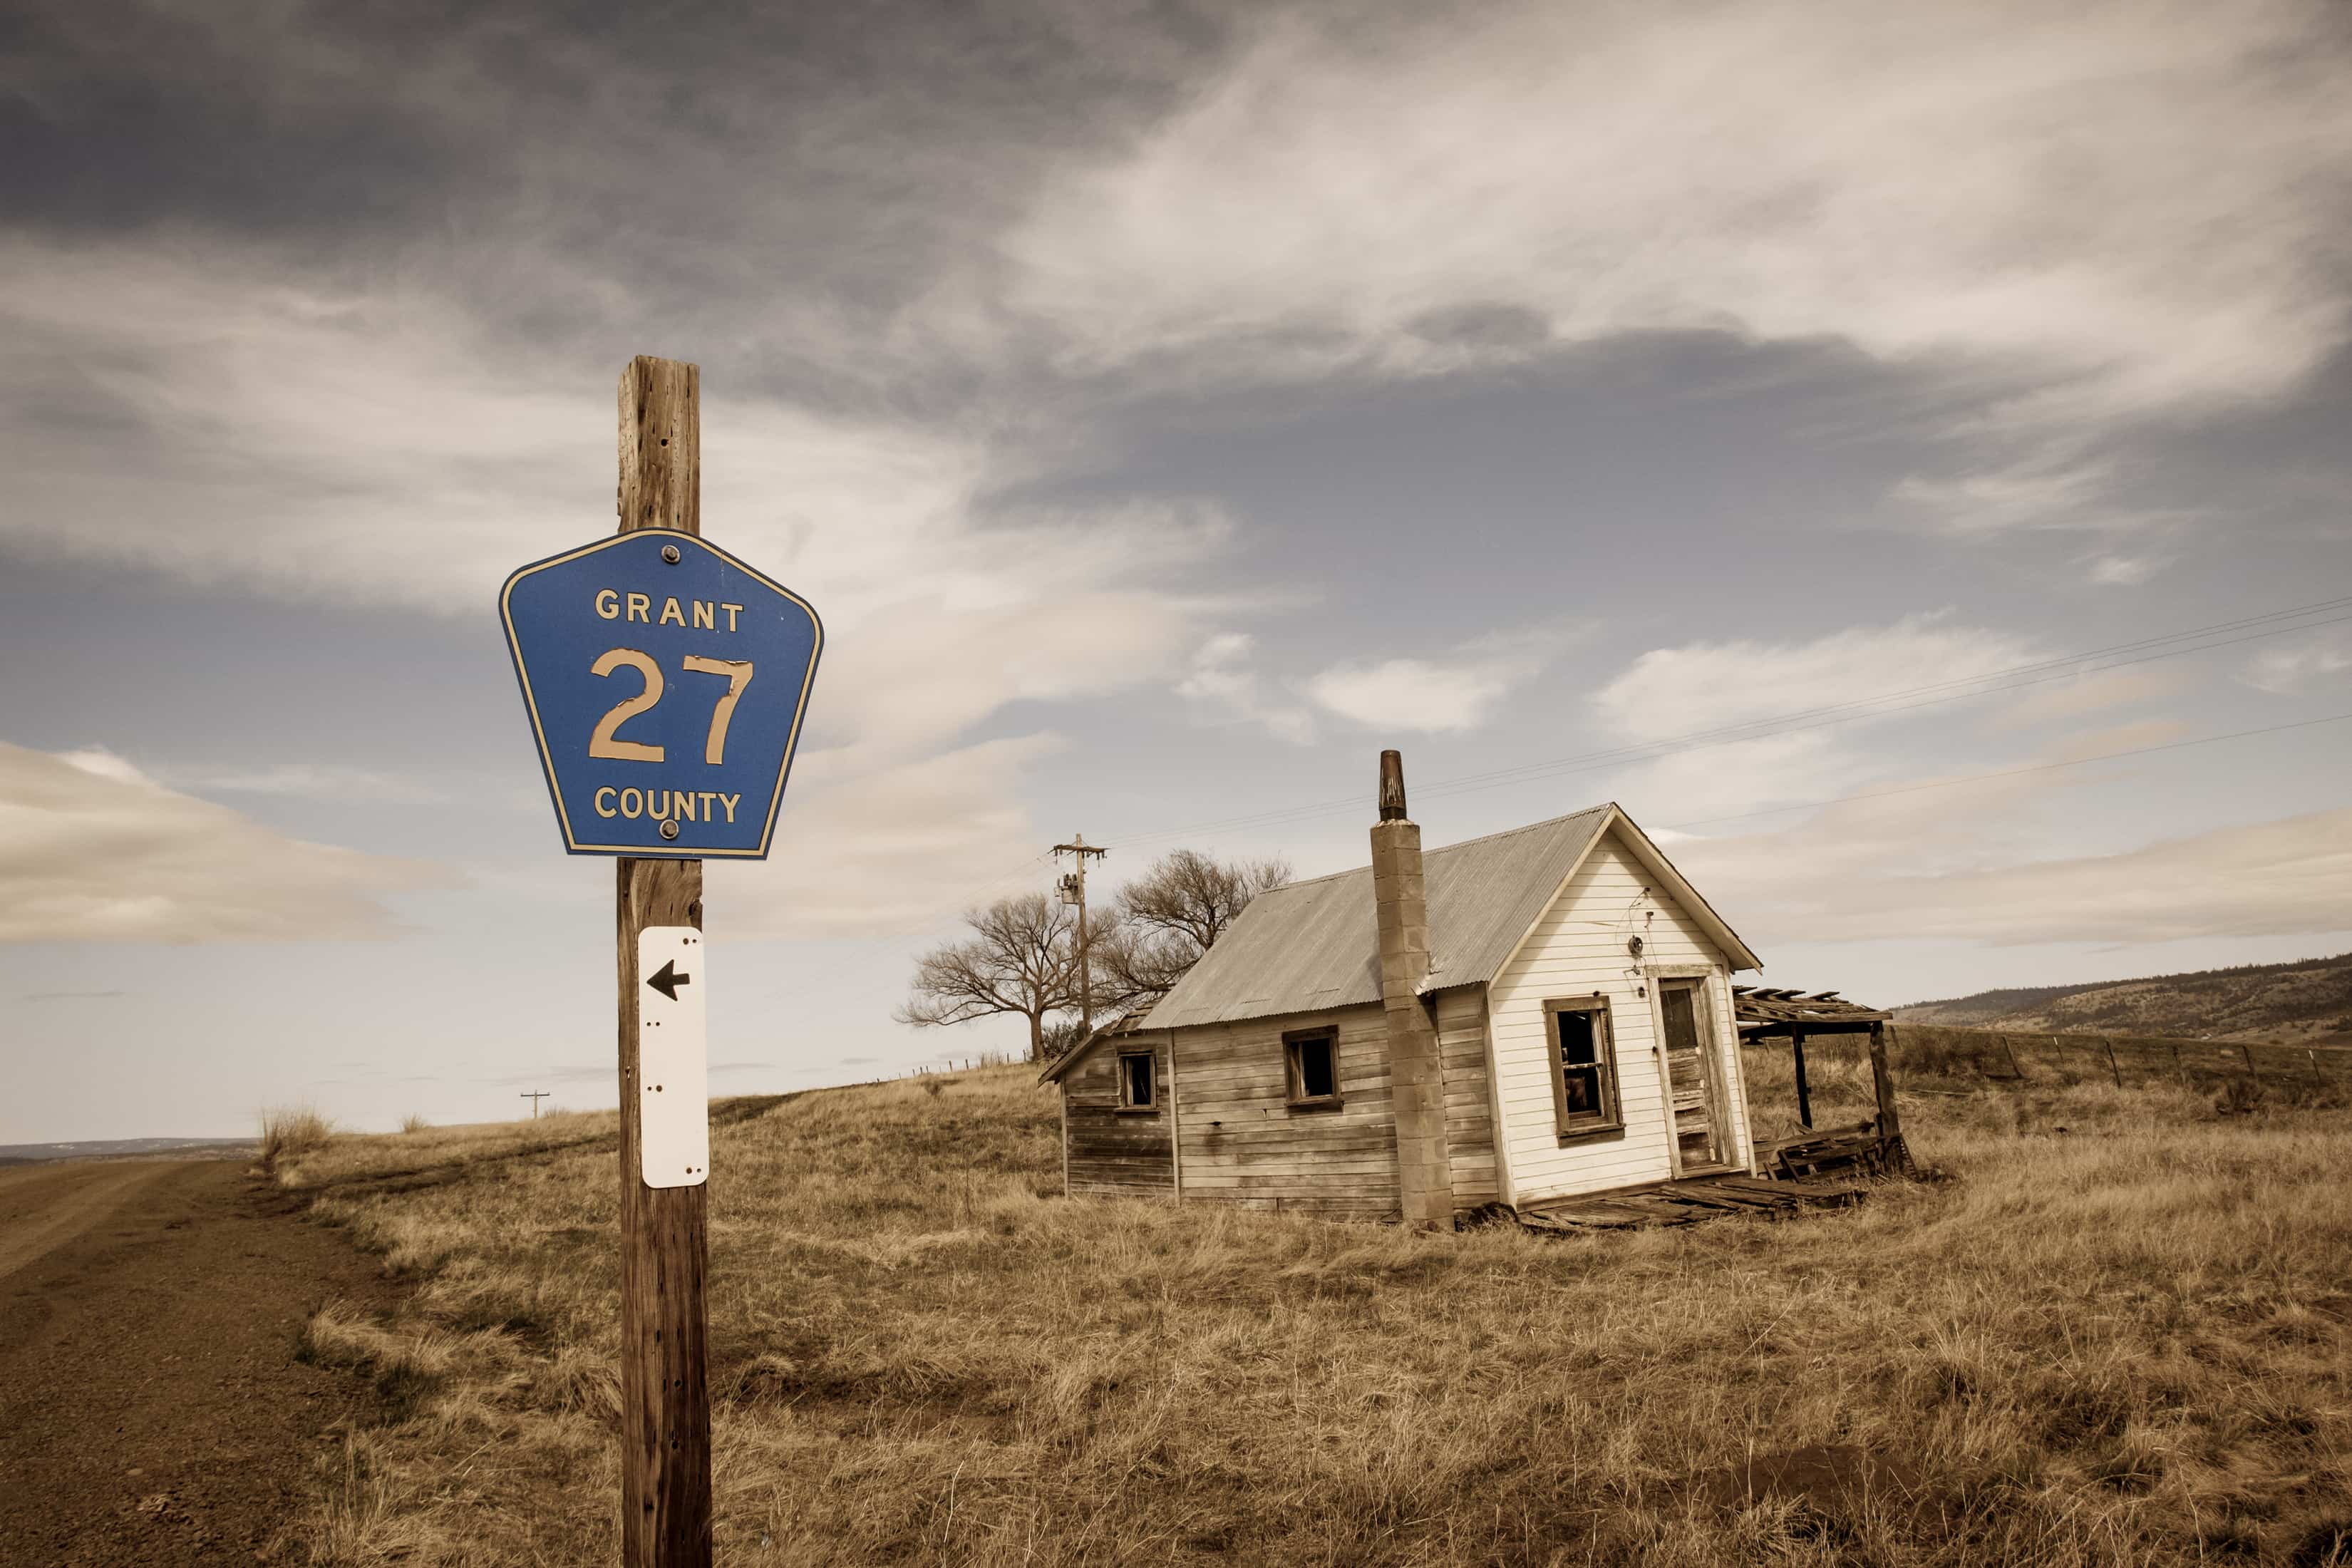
150 1407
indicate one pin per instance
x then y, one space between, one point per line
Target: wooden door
1690 1079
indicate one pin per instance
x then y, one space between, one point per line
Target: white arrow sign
673 1059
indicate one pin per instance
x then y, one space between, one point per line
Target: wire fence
2022 1056
957 1064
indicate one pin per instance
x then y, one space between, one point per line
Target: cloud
1432 695
2284 878
312 781
92 850
1824 706
2069 220
2070 699
1222 679
2121 197
2127 571
875 849
358 444
1673 692
2283 671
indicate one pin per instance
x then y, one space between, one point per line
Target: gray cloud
92 850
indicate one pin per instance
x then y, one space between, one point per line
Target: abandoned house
1516 1019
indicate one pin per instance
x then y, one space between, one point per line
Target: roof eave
1743 957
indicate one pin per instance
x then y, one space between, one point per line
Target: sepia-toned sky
1899 453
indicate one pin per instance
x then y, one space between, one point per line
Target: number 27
606 743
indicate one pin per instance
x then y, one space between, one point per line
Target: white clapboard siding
1577 948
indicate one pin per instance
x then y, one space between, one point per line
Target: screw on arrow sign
669 980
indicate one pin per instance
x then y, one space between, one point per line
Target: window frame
1127 1106
1612 1120
1294 1075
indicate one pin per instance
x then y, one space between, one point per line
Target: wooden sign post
665 681
664 1231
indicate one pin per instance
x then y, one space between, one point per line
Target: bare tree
1022 957
1173 913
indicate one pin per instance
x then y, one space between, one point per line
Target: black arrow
669 980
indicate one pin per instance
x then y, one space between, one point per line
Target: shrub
291 1129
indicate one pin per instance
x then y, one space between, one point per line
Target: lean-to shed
1529 1015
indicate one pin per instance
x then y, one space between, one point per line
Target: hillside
2125 1346
2308 1001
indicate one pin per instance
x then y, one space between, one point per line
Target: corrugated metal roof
1307 946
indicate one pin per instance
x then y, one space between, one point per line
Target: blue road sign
666 682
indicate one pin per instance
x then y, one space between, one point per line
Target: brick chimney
1416 1083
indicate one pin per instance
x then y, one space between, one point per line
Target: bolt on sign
666 682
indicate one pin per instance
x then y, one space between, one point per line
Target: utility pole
535 1096
1074 891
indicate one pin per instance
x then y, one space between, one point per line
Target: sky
1898 453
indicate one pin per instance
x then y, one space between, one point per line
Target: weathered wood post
2116 1071
664 1231
2247 1051
1882 1081
1804 1092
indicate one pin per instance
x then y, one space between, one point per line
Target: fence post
2247 1051
2116 1072
2318 1078
2013 1067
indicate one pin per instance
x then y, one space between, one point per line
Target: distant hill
123 1149
2305 1002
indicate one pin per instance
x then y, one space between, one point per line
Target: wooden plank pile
1861 1152
1689 1202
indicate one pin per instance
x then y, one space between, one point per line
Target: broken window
1136 1074
1313 1061
1584 1066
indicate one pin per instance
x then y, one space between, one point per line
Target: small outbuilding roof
1309 947
1762 1010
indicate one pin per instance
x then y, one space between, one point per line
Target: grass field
2122 1333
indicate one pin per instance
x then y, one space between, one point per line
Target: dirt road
150 1407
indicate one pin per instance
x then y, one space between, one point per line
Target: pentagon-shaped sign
666 682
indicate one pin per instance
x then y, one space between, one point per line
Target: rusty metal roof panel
1308 946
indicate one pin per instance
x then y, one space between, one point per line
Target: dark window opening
1583 1067
1136 1074
1313 1060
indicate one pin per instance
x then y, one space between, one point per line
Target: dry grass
413 1122
2124 1335
442 1151
288 1131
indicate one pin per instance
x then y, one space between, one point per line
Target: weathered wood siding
1578 949
1244 1144
1114 1153
1469 1105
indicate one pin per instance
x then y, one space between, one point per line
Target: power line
2008 773
2010 679
2090 661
